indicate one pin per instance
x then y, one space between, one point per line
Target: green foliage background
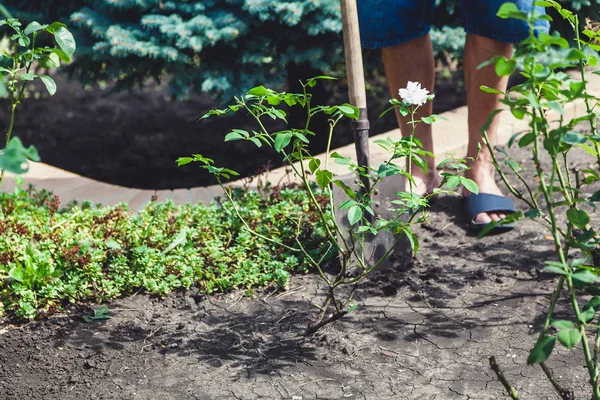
221 47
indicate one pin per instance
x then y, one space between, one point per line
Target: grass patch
51 257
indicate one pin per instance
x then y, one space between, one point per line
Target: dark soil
422 331
133 139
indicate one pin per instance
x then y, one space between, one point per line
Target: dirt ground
423 330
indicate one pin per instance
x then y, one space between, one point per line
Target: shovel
375 246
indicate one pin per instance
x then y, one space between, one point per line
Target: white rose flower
413 94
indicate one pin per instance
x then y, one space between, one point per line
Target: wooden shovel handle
353 54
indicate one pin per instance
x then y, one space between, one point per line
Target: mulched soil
133 139
424 329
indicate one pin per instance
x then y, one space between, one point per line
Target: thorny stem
302 173
509 389
588 108
533 203
560 251
247 227
596 349
410 154
586 347
564 393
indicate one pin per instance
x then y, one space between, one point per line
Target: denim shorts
386 23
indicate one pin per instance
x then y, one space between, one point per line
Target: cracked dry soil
422 331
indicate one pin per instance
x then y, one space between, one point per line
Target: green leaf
453 182
282 140
184 160
231 136
50 60
541 351
470 185
349 111
53 27
576 55
555 269
113 244
349 192
561 324
179 239
34 26
556 106
595 197
593 303
354 214
587 315
585 276
573 138
324 178
100 313
16 273
388 170
505 67
352 306
347 204
259 91
510 10
65 40
339 159
256 141
579 218
532 213
14 157
490 90
526 140
512 164
49 83
61 55
569 338
412 239
550 40
313 165
28 77
273 100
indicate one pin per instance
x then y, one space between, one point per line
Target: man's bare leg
480 105
413 61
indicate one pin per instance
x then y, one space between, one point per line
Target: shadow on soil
431 299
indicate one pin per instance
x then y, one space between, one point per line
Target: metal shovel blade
375 246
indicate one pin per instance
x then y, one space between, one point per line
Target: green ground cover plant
561 200
51 256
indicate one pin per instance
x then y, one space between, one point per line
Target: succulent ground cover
51 256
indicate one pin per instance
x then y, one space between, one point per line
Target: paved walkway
450 137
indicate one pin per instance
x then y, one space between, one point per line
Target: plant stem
588 108
247 227
584 340
410 154
11 124
313 329
509 389
562 392
533 203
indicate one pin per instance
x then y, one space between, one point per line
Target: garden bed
423 329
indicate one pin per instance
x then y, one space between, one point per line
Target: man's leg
480 105
413 61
